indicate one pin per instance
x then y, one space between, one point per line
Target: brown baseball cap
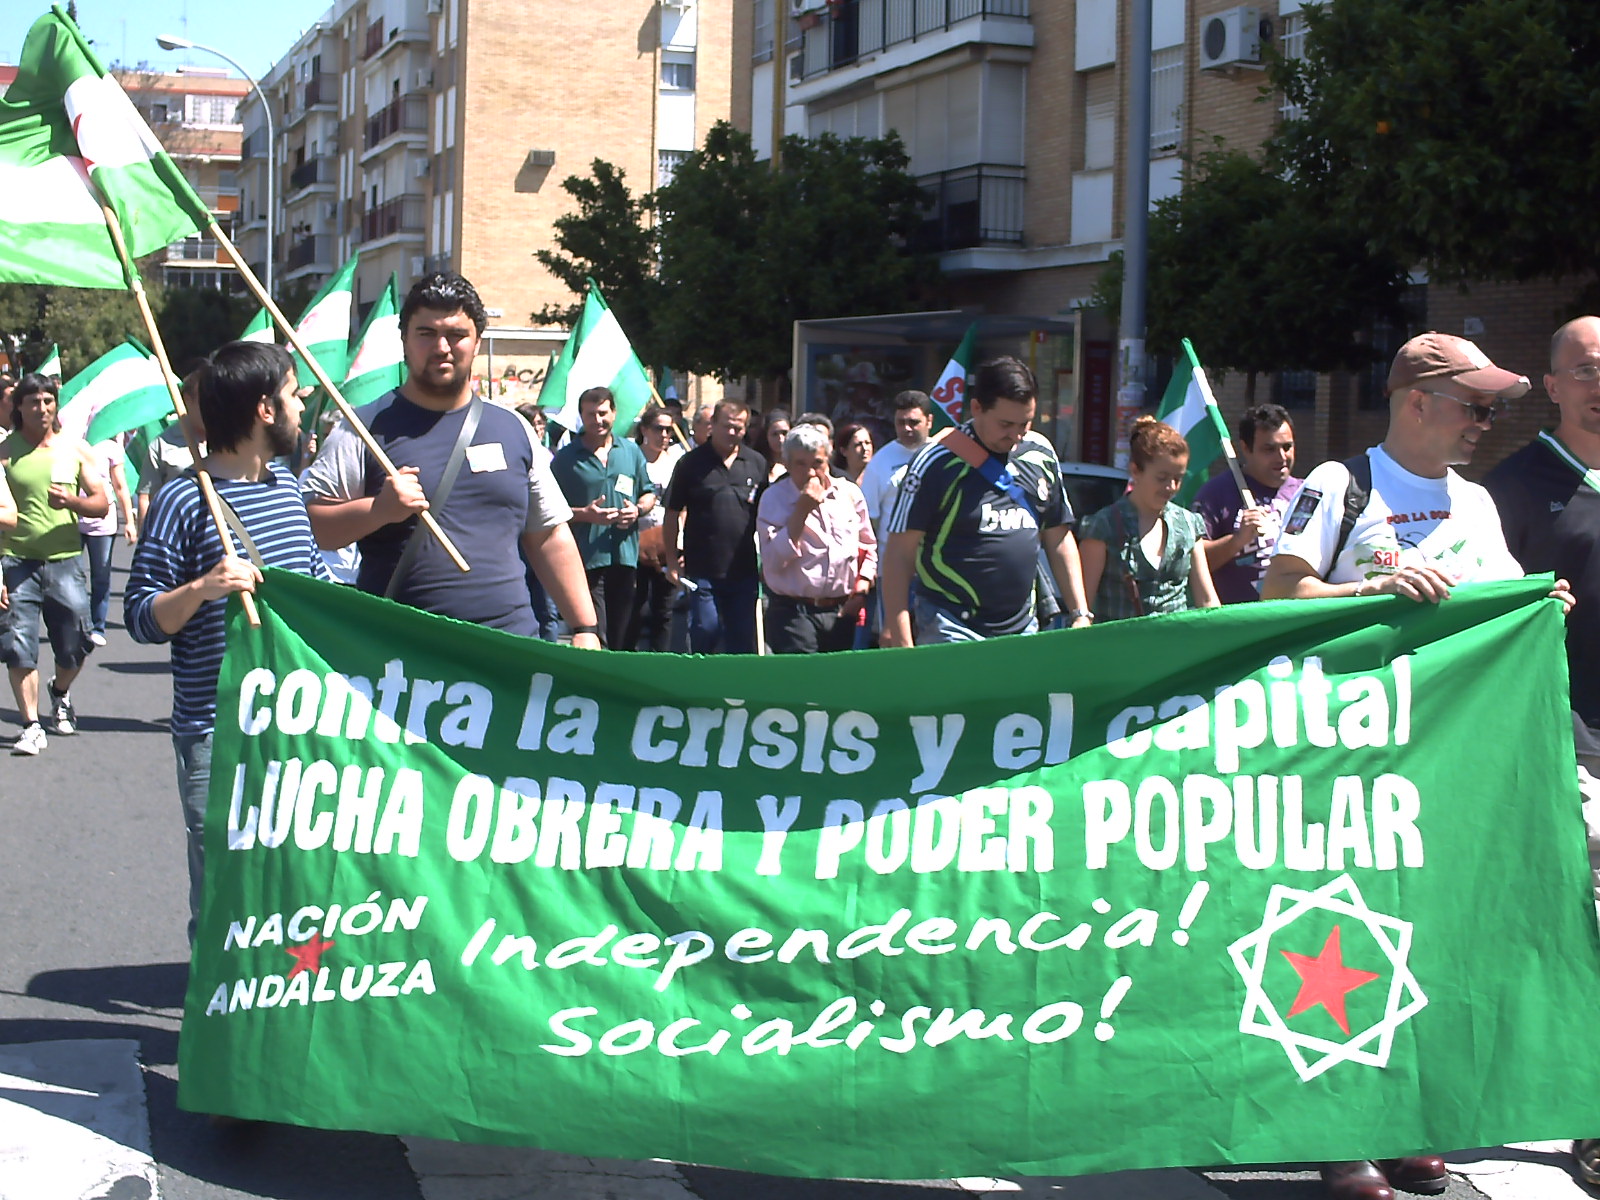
1445 356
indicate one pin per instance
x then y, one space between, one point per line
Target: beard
283 435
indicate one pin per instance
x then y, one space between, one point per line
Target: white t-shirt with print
1409 521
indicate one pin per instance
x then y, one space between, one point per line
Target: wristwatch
1076 614
575 630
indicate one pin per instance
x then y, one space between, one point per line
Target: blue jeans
722 616
193 751
938 623
56 591
98 548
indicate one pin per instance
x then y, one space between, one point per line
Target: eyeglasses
1483 414
659 428
1586 373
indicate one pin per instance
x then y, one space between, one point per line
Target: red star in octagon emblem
1325 980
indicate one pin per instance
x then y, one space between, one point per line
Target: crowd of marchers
726 534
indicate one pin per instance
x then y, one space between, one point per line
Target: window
762 47
677 75
1292 45
1295 389
1386 338
667 164
211 110
158 114
1166 100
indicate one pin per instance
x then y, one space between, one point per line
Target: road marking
1523 1171
73 1123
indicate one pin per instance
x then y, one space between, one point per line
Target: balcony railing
860 27
193 250
374 38
321 89
313 170
972 206
403 214
309 250
408 114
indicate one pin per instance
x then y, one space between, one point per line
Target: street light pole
168 42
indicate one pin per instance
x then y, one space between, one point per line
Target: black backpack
1355 500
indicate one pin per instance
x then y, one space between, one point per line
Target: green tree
611 240
195 321
1457 134
1249 266
747 247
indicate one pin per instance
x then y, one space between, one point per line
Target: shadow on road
115 990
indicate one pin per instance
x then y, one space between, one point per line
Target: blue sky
256 32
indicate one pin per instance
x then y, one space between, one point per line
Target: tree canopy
742 247
1250 267
1455 135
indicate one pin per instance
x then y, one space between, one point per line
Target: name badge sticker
490 456
625 486
1304 505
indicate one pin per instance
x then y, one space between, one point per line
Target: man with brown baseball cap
1442 356
1398 520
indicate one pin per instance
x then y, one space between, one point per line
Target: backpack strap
436 502
1355 500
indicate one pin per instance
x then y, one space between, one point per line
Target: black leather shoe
1421 1173
1359 1180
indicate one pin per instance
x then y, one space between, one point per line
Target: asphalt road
92 912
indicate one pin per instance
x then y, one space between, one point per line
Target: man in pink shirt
818 552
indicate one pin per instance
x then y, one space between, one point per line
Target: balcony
403 214
380 39
857 29
308 251
408 114
311 172
219 199
374 39
321 91
193 250
971 206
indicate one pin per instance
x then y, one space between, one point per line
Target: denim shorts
59 592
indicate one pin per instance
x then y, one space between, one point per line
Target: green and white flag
260 328
950 392
51 365
324 327
377 361
1244 884
1189 407
598 354
122 389
65 122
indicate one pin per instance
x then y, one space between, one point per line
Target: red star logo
1325 980
309 956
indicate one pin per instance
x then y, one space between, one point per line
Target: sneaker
32 740
97 638
65 721
1586 1153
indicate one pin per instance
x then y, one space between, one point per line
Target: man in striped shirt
180 579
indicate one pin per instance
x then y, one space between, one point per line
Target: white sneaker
97 638
32 740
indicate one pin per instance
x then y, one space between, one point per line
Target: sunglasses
1483 414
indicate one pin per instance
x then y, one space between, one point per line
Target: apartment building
430 134
1014 115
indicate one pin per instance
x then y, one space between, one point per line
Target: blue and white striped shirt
178 543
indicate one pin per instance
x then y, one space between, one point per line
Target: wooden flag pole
343 405
1214 413
676 432
208 490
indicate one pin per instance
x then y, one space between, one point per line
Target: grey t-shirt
504 489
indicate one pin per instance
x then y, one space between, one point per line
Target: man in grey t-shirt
503 495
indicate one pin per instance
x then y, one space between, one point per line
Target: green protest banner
1295 881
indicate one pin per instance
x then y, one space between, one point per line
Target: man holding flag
1239 535
474 466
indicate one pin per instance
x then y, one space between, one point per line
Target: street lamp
168 42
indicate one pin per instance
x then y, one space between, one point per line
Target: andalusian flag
324 328
1190 408
122 389
51 365
378 362
597 354
63 123
259 329
950 392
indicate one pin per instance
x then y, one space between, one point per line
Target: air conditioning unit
417 264
330 211
422 168
678 4
435 7
423 79
1231 39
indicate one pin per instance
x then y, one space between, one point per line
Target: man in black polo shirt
1548 494
712 499
503 491
974 509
